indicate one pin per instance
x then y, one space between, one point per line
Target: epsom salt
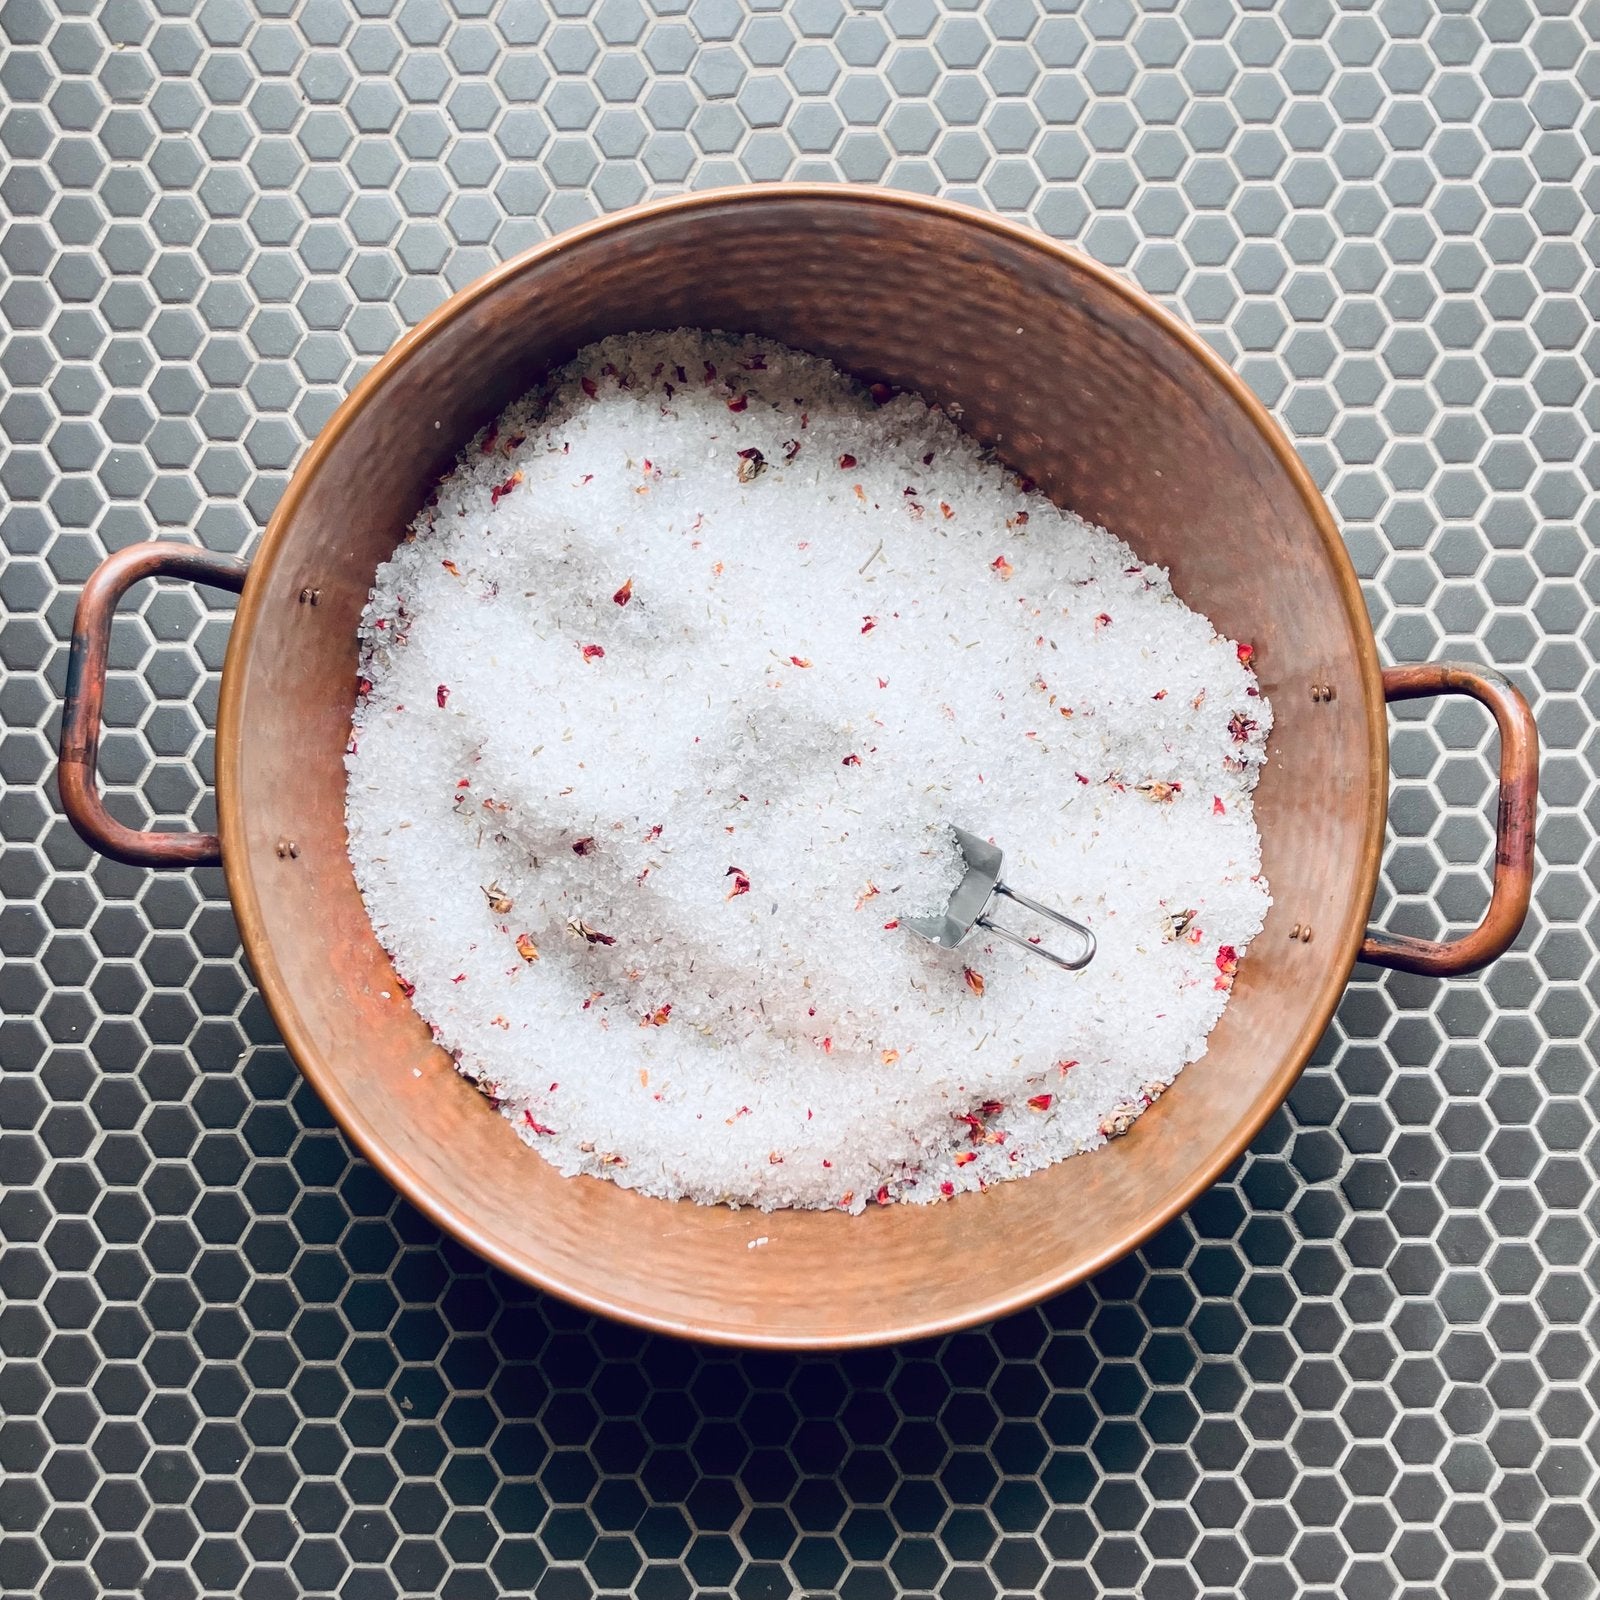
668 704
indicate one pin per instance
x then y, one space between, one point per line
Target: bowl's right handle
86 688
1513 854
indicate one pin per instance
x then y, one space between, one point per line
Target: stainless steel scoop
970 904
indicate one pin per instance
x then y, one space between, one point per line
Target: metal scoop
974 895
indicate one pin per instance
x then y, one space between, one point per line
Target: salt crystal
724 1006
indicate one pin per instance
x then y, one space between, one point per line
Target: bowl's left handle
86 687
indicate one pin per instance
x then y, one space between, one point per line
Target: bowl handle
86 688
1513 854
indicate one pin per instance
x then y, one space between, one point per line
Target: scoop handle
85 695
1514 845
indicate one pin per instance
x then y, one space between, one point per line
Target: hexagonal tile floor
234 1364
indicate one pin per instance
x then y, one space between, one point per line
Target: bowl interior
1082 385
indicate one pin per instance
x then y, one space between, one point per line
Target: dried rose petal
868 624
1241 727
578 926
1003 567
847 461
889 1057
1247 654
582 847
1227 959
526 948
1040 1102
881 393
657 1018
800 661
791 448
1102 621
1120 1119
588 386
441 694
501 490
851 761
965 1156
741 884
1217 807
739 403
592 652
624 594
451 568
751 465
538 1127
974 980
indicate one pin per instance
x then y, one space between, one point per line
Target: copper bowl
1086 385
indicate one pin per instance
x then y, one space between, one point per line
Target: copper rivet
1316 691
1328 691
310 596
288 847
1305 934
1294 932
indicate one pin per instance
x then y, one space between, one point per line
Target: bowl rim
1343 946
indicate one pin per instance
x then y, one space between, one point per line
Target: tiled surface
1363 1366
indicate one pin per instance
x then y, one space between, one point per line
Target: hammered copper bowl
1082 383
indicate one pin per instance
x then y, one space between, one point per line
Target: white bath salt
670 701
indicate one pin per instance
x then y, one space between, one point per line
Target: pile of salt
668 703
